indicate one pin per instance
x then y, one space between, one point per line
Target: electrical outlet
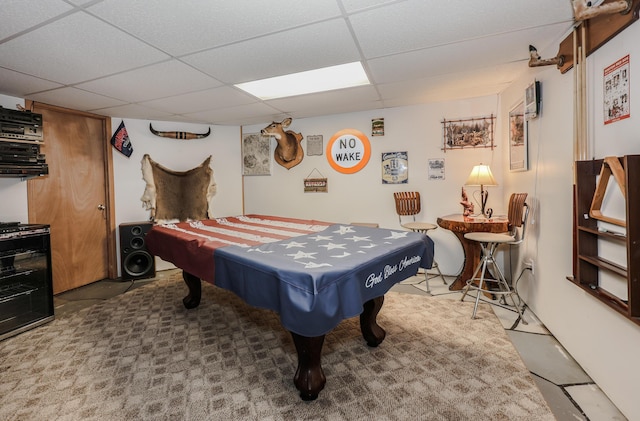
528 264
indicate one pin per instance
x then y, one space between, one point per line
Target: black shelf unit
26 290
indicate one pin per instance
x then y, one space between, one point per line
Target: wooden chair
489 242
408 204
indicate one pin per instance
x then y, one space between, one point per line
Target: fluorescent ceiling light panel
318 80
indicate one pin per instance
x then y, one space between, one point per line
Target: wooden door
74 197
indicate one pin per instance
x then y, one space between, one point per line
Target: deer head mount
179 135
289 151
536 61
587 9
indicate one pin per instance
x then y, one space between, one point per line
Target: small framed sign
314 144
318 184
436 169
395 168
532 100
377 127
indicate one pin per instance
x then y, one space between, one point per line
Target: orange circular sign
348 151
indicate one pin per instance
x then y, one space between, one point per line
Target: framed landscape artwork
469 133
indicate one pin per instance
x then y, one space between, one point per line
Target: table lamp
481 176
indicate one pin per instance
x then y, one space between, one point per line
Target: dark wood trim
600 30
111 202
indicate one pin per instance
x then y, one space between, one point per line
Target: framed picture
256 154
469 133
436 169
395 168
532 100
518 153
314 144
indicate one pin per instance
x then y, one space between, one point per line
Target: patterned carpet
142 356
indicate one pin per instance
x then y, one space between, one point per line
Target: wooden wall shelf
588 264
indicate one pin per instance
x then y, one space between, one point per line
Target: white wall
223 145
179 155
361 197
605 343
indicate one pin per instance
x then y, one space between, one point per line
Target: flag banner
120 140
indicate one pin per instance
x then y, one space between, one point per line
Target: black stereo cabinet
26 290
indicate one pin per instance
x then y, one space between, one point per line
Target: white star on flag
397 234
260 251
370 246
294 244
345 254
302 255
322 237
344 230
356 239
331 246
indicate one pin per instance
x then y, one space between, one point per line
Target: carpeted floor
143 356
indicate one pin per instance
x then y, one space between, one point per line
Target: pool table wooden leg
309 378
192 300
371 332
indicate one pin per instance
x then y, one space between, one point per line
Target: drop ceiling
179 60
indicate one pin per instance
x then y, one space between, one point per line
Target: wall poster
436 169
616 91
314 144
256 156
395 168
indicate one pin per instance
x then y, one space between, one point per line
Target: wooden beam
599 31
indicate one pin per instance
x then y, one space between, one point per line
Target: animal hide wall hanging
179 135
177 196
289 151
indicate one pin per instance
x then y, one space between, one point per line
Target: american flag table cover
313 273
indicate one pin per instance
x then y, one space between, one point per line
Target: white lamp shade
481 176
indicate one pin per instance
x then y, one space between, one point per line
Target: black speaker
135 260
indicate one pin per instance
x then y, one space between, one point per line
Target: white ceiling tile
334 100
470 54
82 2
75 98
461 84
21 85
19 15
202 24
133 111
152 82
418 24
357 5
74 49
202 100
240 115
296 50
